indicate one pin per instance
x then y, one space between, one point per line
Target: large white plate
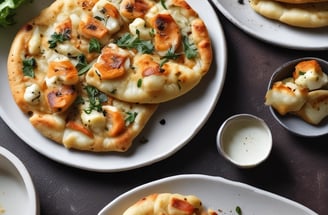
184 116
243 16
216 193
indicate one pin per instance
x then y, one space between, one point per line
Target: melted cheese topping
32 94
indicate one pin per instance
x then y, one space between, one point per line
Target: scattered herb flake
96 98
82 65
189 48
28 67
163 4
238 210
94 46
130 41
170 55
131 117
139 83
59 38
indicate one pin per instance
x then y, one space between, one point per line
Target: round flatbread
169 204
158 54
307 15
46 71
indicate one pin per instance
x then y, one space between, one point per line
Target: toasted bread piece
309 74
316 107
285 96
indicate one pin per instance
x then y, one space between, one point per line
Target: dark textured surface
297 167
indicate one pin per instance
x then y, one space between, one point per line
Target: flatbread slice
168 204
45 75
306 15
163 55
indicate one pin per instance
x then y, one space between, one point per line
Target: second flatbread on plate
179 54
307 15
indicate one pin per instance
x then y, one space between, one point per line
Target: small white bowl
245 140
295 124
17 192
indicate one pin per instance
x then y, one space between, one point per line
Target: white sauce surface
13 196
246 142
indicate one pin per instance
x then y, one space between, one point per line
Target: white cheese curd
312 79
35 42
32 94
153 82
75 138
53 81
139 25
112 24
94 120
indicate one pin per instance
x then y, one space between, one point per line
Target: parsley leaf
238 210
170 55
94 46
139 83
59 38
96 98
28 67
163 4
131 117
130 41
82 65
189 48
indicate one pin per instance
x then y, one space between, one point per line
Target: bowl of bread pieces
297 13
297 96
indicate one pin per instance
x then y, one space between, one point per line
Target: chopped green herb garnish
152 32
189 49
131 117
130 41
94 46
163 4
238 210
139 83
301 73
82 65
28 67
59 38
96 98
170 55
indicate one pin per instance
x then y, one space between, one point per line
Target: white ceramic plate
184 116
17 193
216 193
243 16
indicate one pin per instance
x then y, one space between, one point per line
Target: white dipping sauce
246 141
